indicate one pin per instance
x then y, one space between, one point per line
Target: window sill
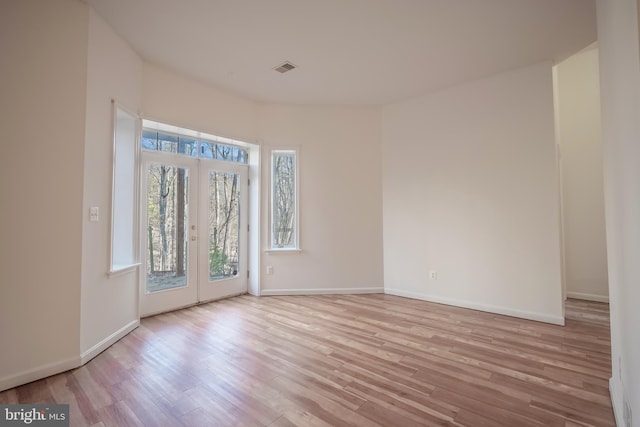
119 270
283 251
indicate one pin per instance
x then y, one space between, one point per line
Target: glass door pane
169 232
224 224
223 231
167 227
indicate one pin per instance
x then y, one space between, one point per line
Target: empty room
320 213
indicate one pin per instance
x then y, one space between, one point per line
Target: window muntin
284 199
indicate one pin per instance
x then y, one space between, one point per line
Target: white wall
580 140
470 190
620 95
43 46
340 171
109 305
340 199
178 100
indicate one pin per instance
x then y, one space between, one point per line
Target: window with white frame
124 202
284 200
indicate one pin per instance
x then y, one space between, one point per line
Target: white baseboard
539 317
321 291
107 342
49 369
40 372
588 297
616 401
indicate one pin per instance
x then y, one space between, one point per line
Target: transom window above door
209 147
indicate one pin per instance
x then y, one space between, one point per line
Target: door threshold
194 304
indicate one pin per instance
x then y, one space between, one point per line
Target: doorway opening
195 207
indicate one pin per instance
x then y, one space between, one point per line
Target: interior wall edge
98 348
616 393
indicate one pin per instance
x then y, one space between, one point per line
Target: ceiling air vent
284 67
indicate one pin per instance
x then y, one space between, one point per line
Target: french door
223 237
194 231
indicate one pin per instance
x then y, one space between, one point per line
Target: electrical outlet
269 269
94 214
433 275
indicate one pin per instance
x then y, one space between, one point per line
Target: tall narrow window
124 192
284 199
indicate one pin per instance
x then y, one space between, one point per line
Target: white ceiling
348 51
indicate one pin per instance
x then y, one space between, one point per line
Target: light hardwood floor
342 360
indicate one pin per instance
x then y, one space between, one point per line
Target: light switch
94 214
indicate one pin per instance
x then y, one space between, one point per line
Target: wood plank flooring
342 360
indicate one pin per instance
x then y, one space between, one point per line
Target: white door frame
170 299
199 288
